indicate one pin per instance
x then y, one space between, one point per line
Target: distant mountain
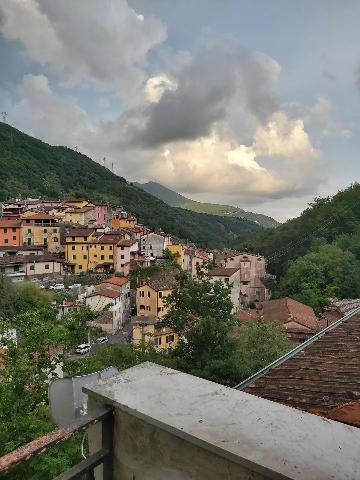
176 200
32 168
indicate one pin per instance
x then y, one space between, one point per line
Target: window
45 230
14 237
5 230
122 257
55 239
73 247
226 280
121 248
142 307
84 257
27 221
14 229
157 341
73 239
6 240
45 242
102 257
74 257
80 267
85 239
160 294
47 267
149 294
95 255
32 267
148 308
169 338
141 293
54 230
111 257
110 247
29 230
122 265
102 247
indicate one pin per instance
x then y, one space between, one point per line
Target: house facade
151 297
149 330
113 293
41 229
10 233
252 270
154 244
231 277
22 267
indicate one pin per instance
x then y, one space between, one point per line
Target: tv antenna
4 115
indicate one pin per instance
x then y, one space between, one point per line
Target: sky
253 103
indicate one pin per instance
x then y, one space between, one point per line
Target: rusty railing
85 467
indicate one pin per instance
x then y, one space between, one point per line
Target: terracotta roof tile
223 272
286 310
8 223
120 281
320 378
107 292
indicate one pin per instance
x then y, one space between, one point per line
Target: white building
230 276
113 294
154 244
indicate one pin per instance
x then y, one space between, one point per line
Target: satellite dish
67 400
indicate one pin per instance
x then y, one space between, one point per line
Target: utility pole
104 161
112 167
4 115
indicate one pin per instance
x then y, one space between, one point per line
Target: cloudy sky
254 103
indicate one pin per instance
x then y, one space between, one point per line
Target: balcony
168 425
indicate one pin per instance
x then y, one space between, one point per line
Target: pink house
102 215
125 250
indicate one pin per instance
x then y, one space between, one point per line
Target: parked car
58 286
76 285
83 348
102 340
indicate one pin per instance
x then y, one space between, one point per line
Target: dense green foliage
174 199
29 167
200 312
316 257
325 218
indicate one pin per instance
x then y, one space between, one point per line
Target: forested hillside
30 167
317 255
174 199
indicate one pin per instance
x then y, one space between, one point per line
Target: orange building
10 233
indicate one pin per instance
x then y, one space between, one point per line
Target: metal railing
85 467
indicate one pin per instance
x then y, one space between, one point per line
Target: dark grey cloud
206 89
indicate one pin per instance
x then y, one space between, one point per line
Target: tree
7 297
322 274
260 343
200 313
30 296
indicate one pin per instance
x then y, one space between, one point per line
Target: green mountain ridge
175 199
326 220
30 168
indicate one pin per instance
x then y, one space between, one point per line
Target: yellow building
178 250
123 222
41 229
81 216
150 330
151 297
77 248
87 249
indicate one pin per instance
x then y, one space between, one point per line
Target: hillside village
49 241
52 243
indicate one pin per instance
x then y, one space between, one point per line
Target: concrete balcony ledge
173 426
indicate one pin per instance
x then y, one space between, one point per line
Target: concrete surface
174 426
